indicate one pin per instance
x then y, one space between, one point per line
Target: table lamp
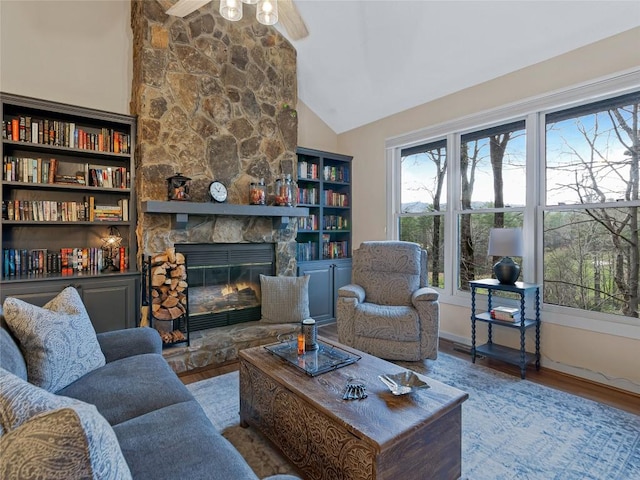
506 243
110 244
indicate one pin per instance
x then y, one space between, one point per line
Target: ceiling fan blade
182 8
289 17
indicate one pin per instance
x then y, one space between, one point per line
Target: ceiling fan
288 15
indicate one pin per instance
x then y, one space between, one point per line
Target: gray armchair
388 310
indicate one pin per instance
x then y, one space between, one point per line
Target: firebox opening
224 282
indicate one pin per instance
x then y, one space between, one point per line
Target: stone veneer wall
213 100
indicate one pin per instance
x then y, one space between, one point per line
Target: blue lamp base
506 271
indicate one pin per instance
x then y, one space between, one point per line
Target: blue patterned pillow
66 444
20 401
58 340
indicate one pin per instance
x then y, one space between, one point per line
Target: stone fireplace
214 101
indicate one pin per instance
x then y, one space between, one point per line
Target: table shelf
519 357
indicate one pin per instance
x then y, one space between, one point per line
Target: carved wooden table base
416 436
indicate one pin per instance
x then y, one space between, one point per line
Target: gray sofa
161 429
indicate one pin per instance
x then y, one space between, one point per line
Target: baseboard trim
621 384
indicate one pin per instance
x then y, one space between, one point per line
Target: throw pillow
58 340
20 401
284 299
68 443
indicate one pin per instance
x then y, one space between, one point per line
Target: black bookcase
67 183
324 240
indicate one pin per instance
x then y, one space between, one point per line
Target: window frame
533 111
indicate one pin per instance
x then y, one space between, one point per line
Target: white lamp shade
267 12
505 242
231 9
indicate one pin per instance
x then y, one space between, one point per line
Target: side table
514 356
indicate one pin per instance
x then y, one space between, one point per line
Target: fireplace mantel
182 210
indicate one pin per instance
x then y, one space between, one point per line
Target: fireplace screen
224 282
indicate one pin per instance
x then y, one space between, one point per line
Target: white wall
80 52
76 52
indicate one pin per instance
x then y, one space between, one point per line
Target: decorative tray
326 358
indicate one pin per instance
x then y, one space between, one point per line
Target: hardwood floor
550 378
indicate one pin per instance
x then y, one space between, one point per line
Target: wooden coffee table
415 436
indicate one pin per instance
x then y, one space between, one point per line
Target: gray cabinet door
35 293
341 277
325 278
320 289
110 302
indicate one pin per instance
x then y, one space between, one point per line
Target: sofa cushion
67 443
178 441
11 358
129 387
284 299
58 340
20 401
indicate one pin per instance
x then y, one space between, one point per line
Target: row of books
308 195
336 174
308 223
39 170
505 314
72 211
64 134
335 222
306 252
335 199
335 249
18 262
307 170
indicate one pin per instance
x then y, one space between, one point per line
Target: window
423 195
492 193
591 250
563 169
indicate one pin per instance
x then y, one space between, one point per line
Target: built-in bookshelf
324 236
66 187
324 187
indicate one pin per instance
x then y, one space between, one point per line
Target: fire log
168 291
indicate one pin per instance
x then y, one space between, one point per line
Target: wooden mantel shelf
182 210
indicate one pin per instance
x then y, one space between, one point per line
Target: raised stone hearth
219 346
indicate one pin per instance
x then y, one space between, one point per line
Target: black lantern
178 187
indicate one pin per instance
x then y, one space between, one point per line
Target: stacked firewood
168 274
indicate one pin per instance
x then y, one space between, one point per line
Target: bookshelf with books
66 184
324 237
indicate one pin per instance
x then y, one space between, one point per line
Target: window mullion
453 195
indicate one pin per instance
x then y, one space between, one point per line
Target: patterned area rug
511 428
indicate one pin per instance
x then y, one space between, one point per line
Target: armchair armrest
352 291
129 342
425 294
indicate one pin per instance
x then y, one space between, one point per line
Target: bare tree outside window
423 189
591 248
492 193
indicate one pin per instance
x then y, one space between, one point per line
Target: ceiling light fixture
231 9
267 12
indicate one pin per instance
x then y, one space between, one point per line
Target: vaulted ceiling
367 59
